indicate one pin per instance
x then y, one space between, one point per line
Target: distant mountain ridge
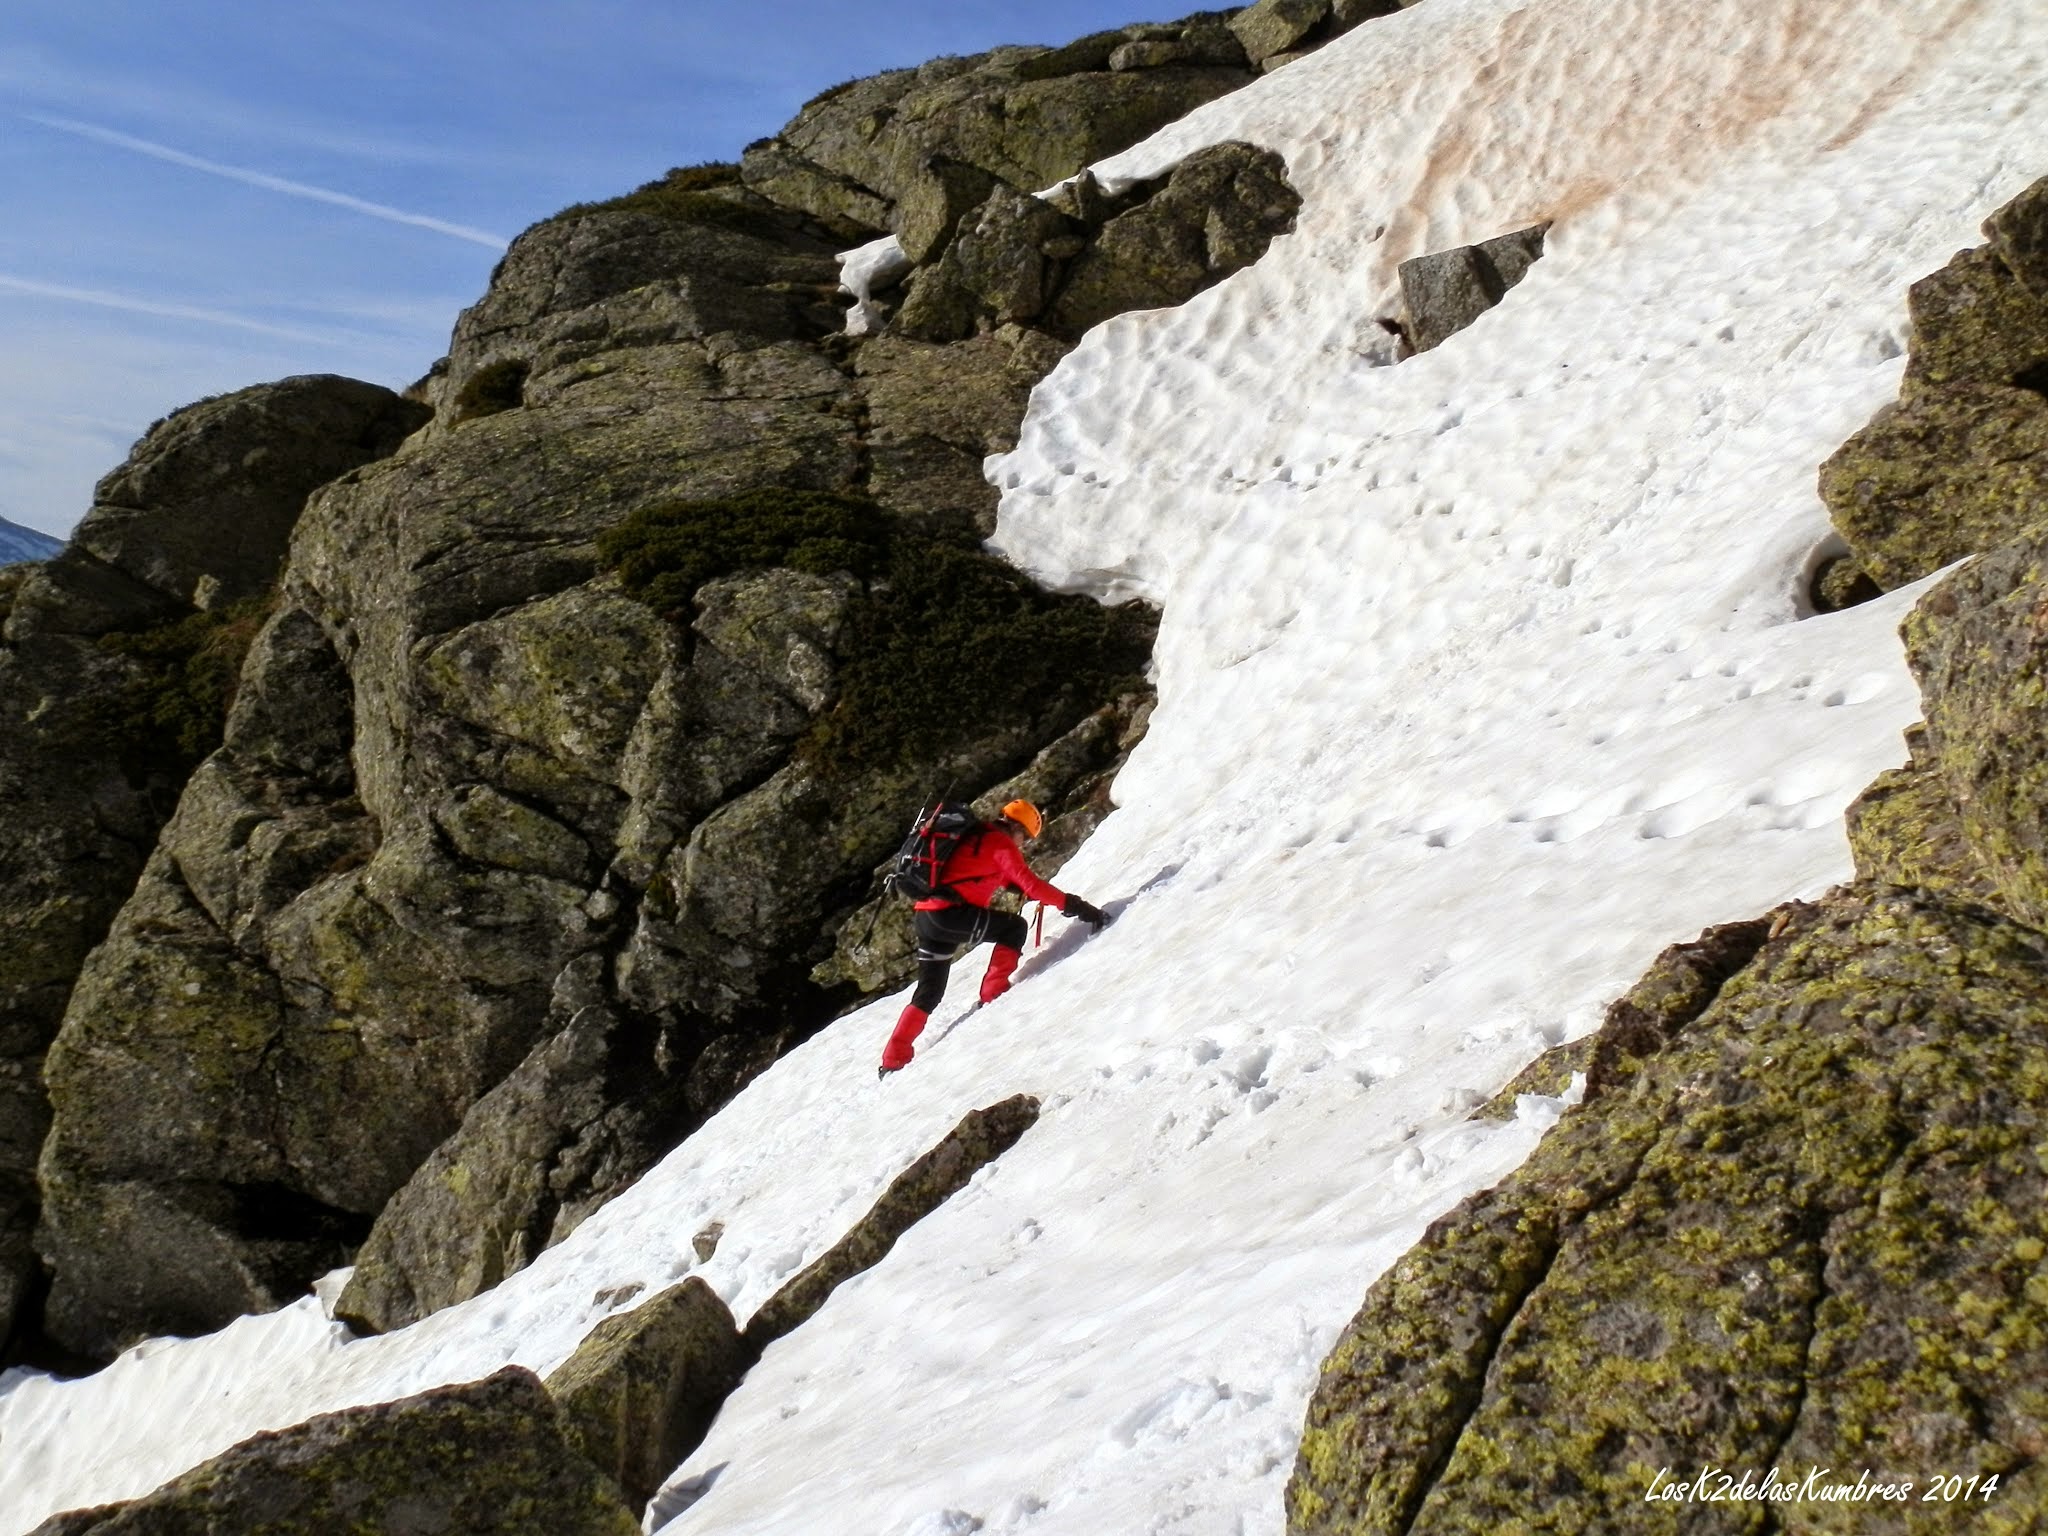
18 544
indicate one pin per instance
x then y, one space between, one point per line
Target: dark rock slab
1446 291
980 1138
585 1114
486 1459
1807 1230
642 1389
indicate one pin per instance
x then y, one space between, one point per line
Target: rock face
578 1120
507 873
979 1139
97 641
641 1391
486 1459
1072 262
1977 646
1446 291
1070 781
1960 462
1904 829
909 151
1750 1248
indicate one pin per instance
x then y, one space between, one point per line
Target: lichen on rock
487 1459
1806 1230
1960 463
1977 646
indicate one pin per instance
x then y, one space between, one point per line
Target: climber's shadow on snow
1074 935
670 1502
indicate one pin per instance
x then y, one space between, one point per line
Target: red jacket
985 863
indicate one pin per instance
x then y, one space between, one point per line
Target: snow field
1483 677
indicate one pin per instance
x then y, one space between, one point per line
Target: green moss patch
947 639
171 712
692 194
665 552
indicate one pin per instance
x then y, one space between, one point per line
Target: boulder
1024 259
932 205
1270 27
1974 322
642 1389
2018 233
1940 474
1215 214
1347 14
997 271
1976 645
1446 291
1750 1251
619 277
982 1136
486 1459
200 512
1960 462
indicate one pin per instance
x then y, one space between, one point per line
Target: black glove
1092 916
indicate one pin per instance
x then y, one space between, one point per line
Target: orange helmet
1025 814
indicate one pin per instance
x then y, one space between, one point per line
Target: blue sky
199 196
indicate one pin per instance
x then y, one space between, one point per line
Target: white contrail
268 182
104 300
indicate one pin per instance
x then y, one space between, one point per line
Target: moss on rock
946 639
1904 829
171 712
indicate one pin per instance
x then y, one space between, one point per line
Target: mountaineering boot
896 1054
1000 964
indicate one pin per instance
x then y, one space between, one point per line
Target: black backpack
937 831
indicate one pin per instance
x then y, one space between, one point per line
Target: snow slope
1483 677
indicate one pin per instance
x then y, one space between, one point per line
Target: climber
958 917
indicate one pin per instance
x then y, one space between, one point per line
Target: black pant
946 934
